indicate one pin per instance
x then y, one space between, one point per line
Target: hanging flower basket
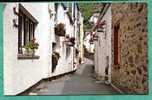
100 24
95 37
60 29
91 41
70 41
67 38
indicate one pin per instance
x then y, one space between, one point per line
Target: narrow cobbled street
80 82
74 48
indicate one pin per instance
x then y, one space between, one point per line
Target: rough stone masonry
131 72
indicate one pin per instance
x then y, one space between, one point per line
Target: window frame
116 44
25 32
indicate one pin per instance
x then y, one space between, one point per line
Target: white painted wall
81 39
103 47
93 19
89 47
64 64
21 74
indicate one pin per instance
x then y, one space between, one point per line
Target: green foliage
31 45
88 9
56 55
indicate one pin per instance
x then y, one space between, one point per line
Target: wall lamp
15 11
15 23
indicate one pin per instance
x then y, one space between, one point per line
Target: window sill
22 56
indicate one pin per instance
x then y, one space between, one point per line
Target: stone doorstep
32 93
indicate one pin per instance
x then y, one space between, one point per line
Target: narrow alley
94 48
82 82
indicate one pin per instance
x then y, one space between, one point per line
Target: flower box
28 51
29 48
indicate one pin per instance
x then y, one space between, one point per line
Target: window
27 24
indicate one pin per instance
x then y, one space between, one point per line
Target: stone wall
131 73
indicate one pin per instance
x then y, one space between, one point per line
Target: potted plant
55 58
29 48
67 38
25 49
59 29
72 40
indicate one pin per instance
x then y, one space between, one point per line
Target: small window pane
20 34
31 31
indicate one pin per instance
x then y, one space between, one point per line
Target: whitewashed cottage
62 17
102 41
89 45
33 48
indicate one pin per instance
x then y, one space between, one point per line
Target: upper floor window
26 28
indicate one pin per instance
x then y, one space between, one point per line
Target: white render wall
64 64
81 39
89 47
103 47
21 74
93 19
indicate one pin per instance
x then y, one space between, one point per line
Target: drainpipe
52 13
73 34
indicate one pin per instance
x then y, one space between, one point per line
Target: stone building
125 48
130 62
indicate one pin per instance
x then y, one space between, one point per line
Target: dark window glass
116 47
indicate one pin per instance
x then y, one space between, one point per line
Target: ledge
22 56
